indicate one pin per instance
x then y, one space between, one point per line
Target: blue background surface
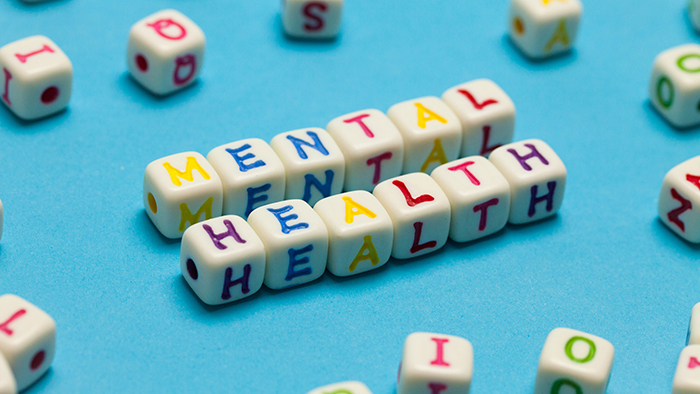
78 243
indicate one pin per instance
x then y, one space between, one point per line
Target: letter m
187 216
187 175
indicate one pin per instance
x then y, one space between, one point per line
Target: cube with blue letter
222 259
296 242
251 174
314 163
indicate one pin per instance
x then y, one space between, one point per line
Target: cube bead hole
192 269
152 203
519 26
141 63
49 95
37 360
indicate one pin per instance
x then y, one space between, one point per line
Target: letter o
570 354
686 57
556 387
659 93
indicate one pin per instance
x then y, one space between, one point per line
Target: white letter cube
165 51
296 242
687 377
435 363
679 200
576 361
319 19
251 174
479 197
675 85
314 164
222 259
420 212
36 77
432 133
487 115
360 231
542 28
342 388
372 146
27 339
7 379
694 327
179 191
537 179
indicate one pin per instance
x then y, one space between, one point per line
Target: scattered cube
687 377
251 173
694 326
420 212
694 13
679 201
487 115
36 78
27 339
360 232
7 380
316 19
435 363
372 146
479 197
296 242
179 191
542 28
314 164
342 388
576 361
537 179
222 259
165 52
675 85
432 133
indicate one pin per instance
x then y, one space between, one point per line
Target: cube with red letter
687 377
487 115
679 201
435 363
312 18
36 77
27 339
165 51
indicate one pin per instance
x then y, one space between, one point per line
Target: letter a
423 119
560 35
187 175
367 252
436 155
353 209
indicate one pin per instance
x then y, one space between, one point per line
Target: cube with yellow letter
181 190
360 232
543 28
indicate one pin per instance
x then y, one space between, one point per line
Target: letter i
440 352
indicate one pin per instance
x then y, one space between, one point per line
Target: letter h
549 197
230 232
523 159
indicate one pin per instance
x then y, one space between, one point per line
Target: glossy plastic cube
432 133
314 164
420 212
687 377
36 77
487 114
543 28
165 52
222 259
296 242
674 88
537 179
372 147
435 363
27 339
576 361
679 200
181 190
317 19
479 197
360 232
251 174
